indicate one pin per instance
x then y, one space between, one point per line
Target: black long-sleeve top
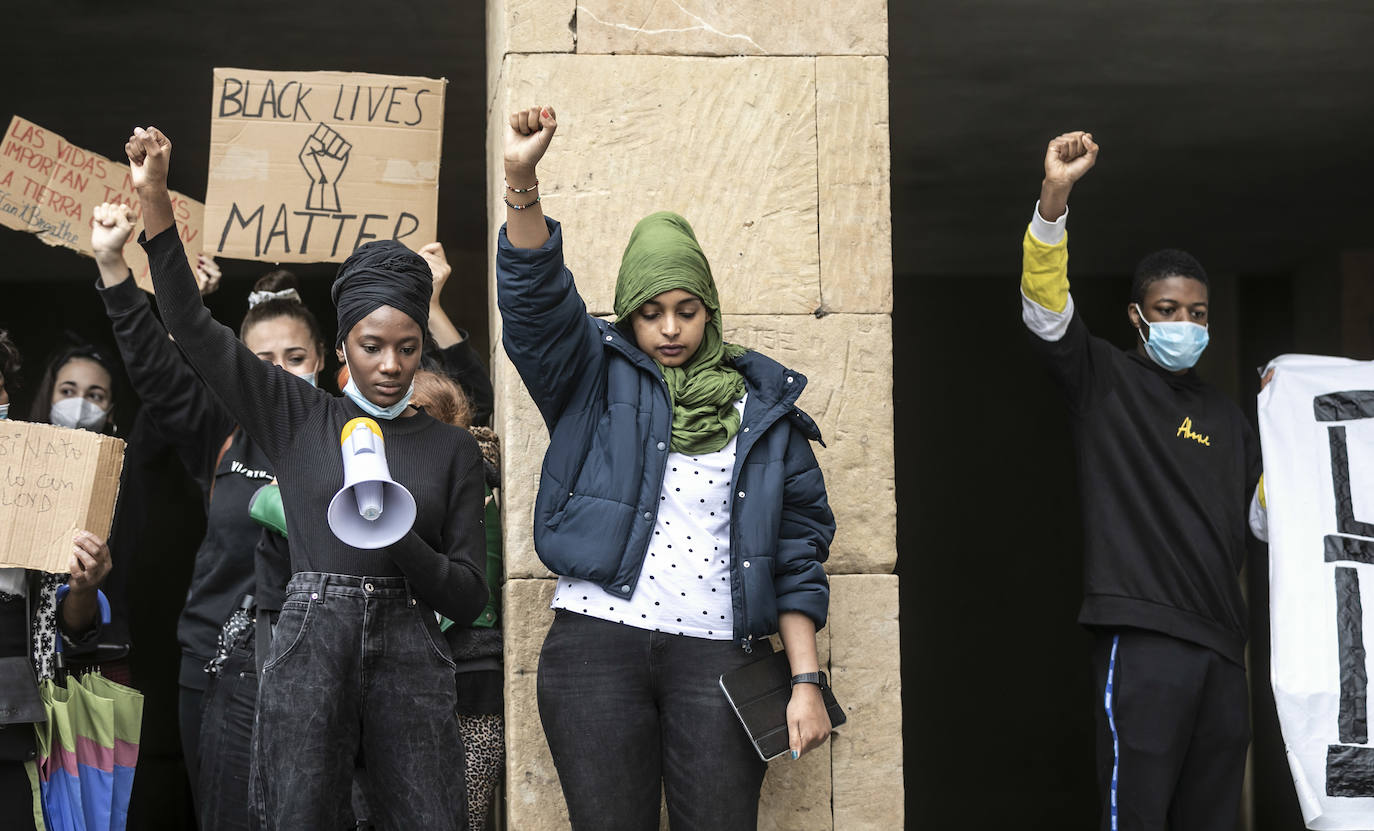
185 414
298 427
1166 466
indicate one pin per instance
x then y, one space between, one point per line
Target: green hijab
663 255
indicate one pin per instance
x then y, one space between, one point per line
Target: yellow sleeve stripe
1263 503
1045 272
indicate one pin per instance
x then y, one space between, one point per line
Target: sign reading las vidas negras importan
307 166
49 186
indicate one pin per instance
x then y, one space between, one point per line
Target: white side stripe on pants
1111 722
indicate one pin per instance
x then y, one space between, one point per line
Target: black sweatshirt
298 426
186 415
1166 467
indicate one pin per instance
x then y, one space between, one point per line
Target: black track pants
1173 726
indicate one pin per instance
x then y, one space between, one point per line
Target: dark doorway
1212 119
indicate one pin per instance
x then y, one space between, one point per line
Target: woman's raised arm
267 401
526 142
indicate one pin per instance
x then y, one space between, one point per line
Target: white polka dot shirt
684 586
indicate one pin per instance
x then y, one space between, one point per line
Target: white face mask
78 413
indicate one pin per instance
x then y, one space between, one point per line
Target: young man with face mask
1167 468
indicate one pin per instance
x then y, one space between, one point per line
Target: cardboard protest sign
1317 431
49 187
54 481
307 166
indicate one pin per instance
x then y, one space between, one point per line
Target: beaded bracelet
522 190
515 207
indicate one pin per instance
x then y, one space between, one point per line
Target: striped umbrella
87 751
87 748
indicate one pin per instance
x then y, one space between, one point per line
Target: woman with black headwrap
357 661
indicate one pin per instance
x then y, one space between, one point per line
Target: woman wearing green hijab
681 505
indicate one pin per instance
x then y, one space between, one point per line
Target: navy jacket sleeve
267 401
805 531
173 396
549 336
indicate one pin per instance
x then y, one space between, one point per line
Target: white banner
1317 430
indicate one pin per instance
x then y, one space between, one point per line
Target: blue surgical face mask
351 390
309 377
4 411
1174 345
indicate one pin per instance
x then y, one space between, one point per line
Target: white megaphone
371 510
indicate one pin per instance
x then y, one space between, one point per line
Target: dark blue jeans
626 709
357 663
226 736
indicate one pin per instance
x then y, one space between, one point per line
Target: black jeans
1177 733
626 709
357 663
226 742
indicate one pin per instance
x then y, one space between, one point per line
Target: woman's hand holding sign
89 566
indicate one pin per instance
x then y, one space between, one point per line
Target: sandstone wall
765 124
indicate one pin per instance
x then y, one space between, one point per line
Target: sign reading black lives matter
307 166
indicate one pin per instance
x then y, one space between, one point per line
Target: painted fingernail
795 755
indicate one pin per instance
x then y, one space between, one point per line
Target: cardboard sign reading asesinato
54 482
307 166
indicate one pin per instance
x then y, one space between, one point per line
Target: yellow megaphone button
360 424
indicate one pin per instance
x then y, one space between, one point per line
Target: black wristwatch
817 678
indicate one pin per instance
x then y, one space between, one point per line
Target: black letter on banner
243 221
1349 770
225 96
1349 405
1354 726
1340 483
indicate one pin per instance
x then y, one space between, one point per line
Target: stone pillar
765 124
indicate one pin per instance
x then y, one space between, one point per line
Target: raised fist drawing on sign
324 157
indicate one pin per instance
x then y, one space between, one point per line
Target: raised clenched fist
150 153
1069 157
112 224
439 267
528 137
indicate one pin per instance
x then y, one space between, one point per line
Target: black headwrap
382 273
